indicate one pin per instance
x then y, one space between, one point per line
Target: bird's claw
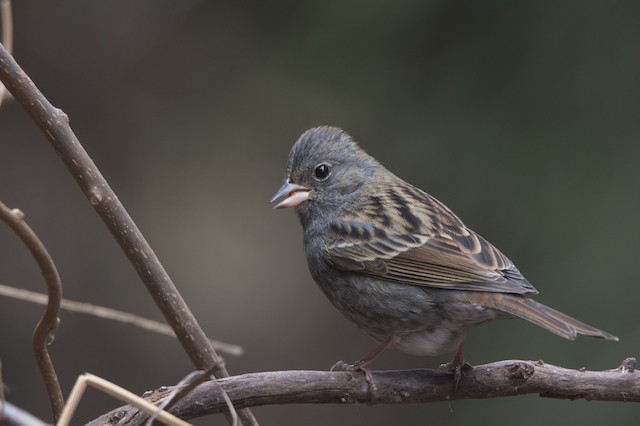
358 366
456 369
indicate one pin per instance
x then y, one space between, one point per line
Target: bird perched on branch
396 261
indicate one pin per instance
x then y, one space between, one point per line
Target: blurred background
523 117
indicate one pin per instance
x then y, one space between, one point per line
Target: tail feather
548 318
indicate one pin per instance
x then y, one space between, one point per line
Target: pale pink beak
297 195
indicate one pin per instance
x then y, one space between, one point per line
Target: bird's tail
546 317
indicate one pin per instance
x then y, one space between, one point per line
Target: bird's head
326 170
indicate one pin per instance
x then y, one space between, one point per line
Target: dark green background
523 117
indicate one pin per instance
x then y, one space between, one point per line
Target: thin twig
6 38
498 379
1 392
110 314
55 124
7 24
2 401
116 392
10 415
189 383
49 322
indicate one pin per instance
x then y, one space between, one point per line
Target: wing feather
428 245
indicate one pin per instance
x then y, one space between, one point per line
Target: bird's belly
421 321
432 341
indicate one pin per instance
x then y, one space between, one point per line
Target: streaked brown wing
443 253
444 263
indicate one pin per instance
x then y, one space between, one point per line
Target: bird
396 261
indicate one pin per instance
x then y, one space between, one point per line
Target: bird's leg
456 364
364 364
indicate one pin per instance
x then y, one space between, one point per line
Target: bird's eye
321 172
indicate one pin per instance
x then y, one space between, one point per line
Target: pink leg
455 365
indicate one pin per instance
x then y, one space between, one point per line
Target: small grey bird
396 261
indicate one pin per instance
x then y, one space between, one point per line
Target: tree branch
55 124
6 37
109 314
43 334
10 415
498 379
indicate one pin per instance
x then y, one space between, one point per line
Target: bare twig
49 322
6 20
10 415
117 392
498 379
188 384
6 38
110 314
1 392
55 124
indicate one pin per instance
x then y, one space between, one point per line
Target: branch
110 314
6 37
10 415
44 330
498 379
6 22
115 391
55 124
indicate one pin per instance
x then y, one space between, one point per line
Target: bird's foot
364 365
456 365
358 366
456 369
